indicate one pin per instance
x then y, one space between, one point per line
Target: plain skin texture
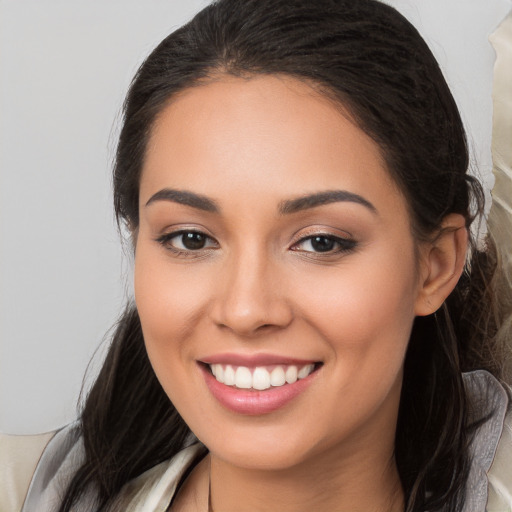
258 286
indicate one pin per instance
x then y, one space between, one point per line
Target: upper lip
251 360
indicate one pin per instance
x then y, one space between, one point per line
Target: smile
258 384
260 377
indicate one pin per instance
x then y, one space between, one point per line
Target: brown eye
187 241
318 244
193 241
322 244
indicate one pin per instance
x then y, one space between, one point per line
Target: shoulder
155 489
34 469
59 461
19 455
500 472
489 484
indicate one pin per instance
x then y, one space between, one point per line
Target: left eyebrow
186 198
322 198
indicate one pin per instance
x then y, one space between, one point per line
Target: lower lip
253 402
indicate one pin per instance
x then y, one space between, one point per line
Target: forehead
270 135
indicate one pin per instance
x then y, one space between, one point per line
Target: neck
355 484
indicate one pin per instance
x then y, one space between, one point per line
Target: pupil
193 241
322 244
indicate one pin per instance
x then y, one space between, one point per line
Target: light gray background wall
64 68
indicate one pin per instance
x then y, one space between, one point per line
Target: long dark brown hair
372 61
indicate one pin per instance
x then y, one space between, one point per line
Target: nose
251 296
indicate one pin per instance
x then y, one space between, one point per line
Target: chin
265 454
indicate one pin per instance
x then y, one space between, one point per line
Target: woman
293 175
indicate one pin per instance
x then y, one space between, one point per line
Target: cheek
171 301
364 317
364 311
167 294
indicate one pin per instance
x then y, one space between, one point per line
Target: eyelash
344 245
166 241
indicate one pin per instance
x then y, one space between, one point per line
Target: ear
441 264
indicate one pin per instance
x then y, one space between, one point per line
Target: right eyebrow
322 198
186 198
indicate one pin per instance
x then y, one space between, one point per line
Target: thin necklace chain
210 509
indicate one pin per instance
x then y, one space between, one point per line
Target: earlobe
442 264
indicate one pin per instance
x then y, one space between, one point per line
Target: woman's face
272 242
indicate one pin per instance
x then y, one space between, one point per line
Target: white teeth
291 374
305 371
229 376
259 378
277 377
219 372
243 378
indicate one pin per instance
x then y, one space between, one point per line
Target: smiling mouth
260 378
